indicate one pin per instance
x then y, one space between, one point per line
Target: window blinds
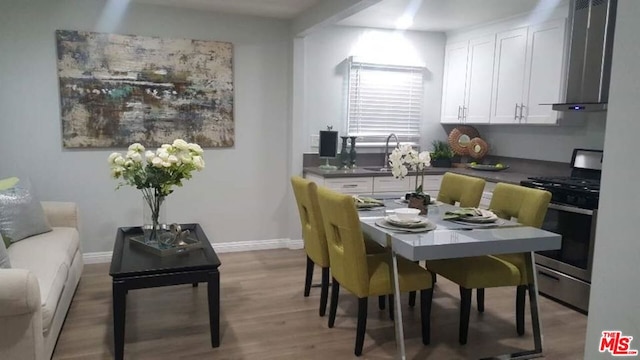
384 99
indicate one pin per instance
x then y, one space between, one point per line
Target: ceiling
280 9
442 15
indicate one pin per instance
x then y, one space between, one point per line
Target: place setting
475 217
406 220
367 203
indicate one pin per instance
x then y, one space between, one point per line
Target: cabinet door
508 76
543 83
389 184
477 104
455 73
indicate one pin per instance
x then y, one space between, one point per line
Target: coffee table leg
214 307
119 312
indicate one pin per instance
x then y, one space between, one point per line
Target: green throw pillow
21 214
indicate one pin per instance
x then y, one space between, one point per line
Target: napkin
364 201
462 213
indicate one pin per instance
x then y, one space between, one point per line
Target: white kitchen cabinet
543 73
468 77
347 185
508 76
389 184
455 73
528 74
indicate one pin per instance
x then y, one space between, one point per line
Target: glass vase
153 215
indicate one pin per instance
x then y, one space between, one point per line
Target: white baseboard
105 256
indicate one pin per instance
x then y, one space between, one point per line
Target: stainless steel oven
565 274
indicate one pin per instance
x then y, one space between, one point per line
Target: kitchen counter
507 176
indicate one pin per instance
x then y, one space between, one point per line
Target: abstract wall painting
119 89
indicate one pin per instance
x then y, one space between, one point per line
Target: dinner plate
414 223
385 224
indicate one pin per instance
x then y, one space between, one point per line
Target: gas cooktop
567 183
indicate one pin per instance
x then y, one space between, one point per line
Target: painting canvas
119 89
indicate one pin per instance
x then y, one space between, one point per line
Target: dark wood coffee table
133 268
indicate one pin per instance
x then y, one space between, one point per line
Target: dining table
457 239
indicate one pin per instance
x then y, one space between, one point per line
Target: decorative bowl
407 214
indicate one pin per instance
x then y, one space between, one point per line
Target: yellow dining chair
462 189
365 274
315 241
529 207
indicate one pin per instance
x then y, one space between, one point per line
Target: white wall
243 192
551 143
615 285
325 70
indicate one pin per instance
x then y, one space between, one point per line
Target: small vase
419 201
352 153
153 215
344 153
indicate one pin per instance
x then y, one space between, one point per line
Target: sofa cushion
4 256
48 256
21 214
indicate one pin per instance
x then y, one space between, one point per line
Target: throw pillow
21 214
4 256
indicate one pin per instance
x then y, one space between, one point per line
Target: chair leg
391 307
308 277
426 298
480 299
434 278
333 306
362 325
324 291
520 302
412 298
381 302
465 311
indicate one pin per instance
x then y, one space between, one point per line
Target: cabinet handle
515 112
521 111
548 275
459 108
464 114
349 185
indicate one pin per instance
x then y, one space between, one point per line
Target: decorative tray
187 244
487 167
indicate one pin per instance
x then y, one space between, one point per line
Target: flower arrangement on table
404 159
155 173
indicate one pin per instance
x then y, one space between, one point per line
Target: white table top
452 240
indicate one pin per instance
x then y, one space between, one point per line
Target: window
384 99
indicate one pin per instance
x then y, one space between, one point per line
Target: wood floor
265 316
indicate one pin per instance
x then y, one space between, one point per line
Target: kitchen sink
377 169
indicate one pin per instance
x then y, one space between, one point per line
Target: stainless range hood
589 63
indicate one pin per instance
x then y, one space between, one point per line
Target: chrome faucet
386 151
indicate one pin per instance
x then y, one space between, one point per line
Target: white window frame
363 116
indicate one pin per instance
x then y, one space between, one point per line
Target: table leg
214 307
398 304
119 314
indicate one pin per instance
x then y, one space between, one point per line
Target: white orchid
405 158
136 147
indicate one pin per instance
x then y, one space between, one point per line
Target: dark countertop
508 175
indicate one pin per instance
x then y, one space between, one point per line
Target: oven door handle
571 209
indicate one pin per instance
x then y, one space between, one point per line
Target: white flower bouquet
405 158
155 173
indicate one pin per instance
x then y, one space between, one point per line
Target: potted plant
402 160
442 154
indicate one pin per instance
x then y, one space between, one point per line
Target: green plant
441 150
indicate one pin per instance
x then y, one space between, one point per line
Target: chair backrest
527 205
346 243
466 190
313 235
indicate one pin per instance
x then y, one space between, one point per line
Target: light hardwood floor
265 316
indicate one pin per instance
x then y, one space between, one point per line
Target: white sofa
35 294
